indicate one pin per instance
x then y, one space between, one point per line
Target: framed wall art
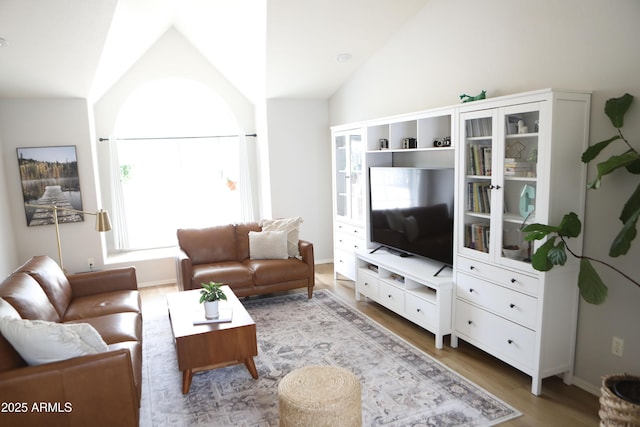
49 176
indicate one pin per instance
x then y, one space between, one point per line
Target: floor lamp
103 223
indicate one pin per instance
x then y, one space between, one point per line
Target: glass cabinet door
349 176
478 148
519 129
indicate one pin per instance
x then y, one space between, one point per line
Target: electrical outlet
90 262
617 346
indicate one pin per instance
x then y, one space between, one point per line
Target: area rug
401 385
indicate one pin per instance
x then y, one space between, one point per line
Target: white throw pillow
291 226
268 245
40 342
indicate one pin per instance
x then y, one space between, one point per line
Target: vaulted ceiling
266 48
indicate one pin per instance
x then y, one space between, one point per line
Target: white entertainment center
517 162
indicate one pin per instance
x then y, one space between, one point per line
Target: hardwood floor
558 405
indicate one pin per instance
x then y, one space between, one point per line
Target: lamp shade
103 223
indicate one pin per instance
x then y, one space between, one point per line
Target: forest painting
49 176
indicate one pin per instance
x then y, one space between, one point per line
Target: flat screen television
411 211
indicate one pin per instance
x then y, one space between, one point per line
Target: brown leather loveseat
99 389
222 254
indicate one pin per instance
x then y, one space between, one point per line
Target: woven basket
614 411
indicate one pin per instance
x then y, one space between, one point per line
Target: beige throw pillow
39 341
291 226
268 245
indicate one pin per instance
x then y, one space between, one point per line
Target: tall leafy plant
553 252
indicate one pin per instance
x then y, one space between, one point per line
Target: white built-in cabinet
517 161
349 194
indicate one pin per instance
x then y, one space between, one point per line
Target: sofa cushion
9 357
291 226
234 274
135 351
102 304
268 245
242 238
52 280
28 298
270 271
115 328
208 245
39 341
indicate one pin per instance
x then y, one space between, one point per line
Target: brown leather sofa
101 389
221 254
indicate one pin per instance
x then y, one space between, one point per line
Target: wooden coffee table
211 345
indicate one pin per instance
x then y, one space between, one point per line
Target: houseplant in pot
620 400
210 295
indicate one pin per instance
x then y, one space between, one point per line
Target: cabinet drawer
367 283
506 302
510 342
350 229
510 279
348 242
391 297
422 312
345 263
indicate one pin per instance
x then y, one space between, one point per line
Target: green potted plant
620 401
210 295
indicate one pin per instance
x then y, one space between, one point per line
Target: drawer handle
418 310
512 305
355 246
513 280
471 290
470 322
355 231
510 341
366 283
389 295
471 267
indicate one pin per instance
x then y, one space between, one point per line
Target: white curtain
244 180
118 214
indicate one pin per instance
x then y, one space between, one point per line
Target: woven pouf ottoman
317 396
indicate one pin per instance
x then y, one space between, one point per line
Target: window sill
142 255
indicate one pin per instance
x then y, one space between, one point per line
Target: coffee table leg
187 376
248 362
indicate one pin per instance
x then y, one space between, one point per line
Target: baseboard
588 387
157 283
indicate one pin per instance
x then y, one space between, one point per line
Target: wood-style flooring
558 405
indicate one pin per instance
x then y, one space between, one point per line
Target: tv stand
442 268
392 251
415 288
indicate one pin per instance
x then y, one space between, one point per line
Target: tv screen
412 211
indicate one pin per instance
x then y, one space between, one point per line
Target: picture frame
49 176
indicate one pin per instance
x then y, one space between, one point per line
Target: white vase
211 309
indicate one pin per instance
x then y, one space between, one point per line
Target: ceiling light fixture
343 57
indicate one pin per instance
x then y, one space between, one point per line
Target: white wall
8 249
504 47
50 122
300 168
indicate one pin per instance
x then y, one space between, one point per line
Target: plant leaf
592 288
622 242
557 254
613 163
634 168
540 260
616 108
539 231
593 151
570 226
632 205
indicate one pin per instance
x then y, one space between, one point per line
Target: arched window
171 175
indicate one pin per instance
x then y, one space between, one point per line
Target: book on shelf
480 159
478 127
516 167
479 197
477 236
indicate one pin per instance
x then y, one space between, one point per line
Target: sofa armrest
184 270
98 282
306 252
96 390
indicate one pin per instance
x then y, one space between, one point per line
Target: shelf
425 293
521 135
410 150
